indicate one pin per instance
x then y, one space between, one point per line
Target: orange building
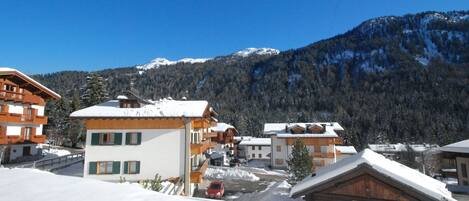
22 103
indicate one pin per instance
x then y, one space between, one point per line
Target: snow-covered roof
458 147
163 108
256 141
346 149
122 97
44 186
221 127
399 147
379 163
276 128
7 71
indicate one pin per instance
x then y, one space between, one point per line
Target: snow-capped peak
256 51
156 63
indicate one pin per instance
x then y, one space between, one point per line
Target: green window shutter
116 167
93 168
127 138
139 138
94 138
138 168
126 167
118 138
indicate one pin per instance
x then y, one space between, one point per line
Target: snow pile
276 191
256 51
55 152
230 174
156 63
221 127
45 186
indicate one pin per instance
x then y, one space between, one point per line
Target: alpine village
380 112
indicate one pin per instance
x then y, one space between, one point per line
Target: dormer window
315 128
297 129
129 104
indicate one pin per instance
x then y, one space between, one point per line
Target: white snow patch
422 60
229 174
46 186
156 63
256 51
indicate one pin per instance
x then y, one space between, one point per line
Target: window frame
279 148
106 166
129 165
463 170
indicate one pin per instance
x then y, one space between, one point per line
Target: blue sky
48 36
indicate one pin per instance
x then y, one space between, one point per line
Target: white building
135 139
22 102
256 148
459 153
319 137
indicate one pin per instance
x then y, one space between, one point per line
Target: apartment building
135 139
22 103
320 138
256 148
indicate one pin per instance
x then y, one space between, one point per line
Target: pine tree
76 127
300 163
95 91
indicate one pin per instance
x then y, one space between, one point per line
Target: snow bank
46 186
230 174
55 152
276 191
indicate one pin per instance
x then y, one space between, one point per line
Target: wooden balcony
20 97
21 118
322 155
17 139
210 134
201 123
201 147
198 174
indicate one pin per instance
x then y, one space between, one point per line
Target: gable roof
163 108
256 141
32 84
394 170
222 127
458 147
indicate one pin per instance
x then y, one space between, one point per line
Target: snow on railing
59 162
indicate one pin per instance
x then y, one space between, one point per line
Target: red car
216 189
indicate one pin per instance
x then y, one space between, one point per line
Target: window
195 138
324 149
131 167
279 148
133 138
106 138
253 155
260 155
104 167
27 131
260 148
465 183
464 170
253 147
3 107
278 161
8 87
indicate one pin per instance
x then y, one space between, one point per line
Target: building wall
461 161
15 108
161 151
15 129
16 151
264 152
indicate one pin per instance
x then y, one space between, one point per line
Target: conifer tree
300 163
76 127
95 91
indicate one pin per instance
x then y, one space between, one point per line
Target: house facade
256 148
320 139
223 134
370 176
458 153
22 104
135 139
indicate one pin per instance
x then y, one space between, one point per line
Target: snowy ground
227 173
45 186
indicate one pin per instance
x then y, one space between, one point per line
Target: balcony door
26 135
28 113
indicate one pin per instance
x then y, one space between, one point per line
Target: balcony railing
210 134
20 97
323 155
200 147
22 118
15 139
197 175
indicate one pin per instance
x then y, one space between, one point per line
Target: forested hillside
390 79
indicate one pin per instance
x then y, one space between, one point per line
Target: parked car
216 189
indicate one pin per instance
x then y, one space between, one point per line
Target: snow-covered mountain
156 63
